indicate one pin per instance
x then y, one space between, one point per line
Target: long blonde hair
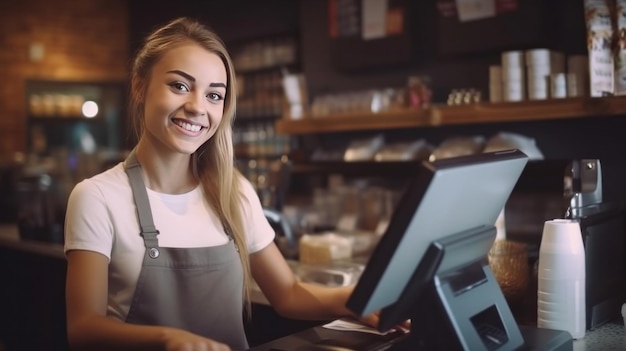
214 160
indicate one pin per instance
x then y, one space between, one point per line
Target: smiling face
184 98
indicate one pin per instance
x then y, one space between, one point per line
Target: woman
161 248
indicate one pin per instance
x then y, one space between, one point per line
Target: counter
32 298
32 293
10 239
40 268
609 337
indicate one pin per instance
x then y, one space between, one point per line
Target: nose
195 104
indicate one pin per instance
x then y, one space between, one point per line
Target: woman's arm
88 328
293 299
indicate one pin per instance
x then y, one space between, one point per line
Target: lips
188 125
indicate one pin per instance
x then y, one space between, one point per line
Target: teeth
188 126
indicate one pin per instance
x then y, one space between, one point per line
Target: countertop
611 336
608 337
10 238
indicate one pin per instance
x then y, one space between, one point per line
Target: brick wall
85 40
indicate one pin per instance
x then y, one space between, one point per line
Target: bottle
561 278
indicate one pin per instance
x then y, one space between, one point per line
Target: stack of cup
577 75
561 278
495 83
540 64
513 83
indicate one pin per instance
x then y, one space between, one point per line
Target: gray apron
195 289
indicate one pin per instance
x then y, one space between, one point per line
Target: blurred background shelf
568 108
354 121
538 175
579 107
360 168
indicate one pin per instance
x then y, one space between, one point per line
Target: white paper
374 19
470 10
346 325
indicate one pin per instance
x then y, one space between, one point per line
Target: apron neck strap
142 203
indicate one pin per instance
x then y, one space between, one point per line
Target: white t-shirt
102 217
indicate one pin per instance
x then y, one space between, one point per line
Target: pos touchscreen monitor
430 264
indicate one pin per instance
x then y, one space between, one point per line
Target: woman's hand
180 340
373 320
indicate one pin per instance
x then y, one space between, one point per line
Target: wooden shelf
349 122
466 114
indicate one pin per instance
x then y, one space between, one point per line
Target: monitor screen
446 197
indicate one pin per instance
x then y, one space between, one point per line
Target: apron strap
142 203
144 212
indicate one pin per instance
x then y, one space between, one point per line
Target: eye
178 86
214 97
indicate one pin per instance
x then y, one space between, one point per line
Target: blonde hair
213 162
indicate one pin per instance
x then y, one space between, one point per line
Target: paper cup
561 239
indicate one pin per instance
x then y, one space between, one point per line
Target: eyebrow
191 78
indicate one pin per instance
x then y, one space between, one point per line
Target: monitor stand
463 308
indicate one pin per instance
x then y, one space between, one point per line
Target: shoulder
110 180
109 186
258 231
94 209
245 187
250 199
112 177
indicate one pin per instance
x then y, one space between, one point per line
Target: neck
165 171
